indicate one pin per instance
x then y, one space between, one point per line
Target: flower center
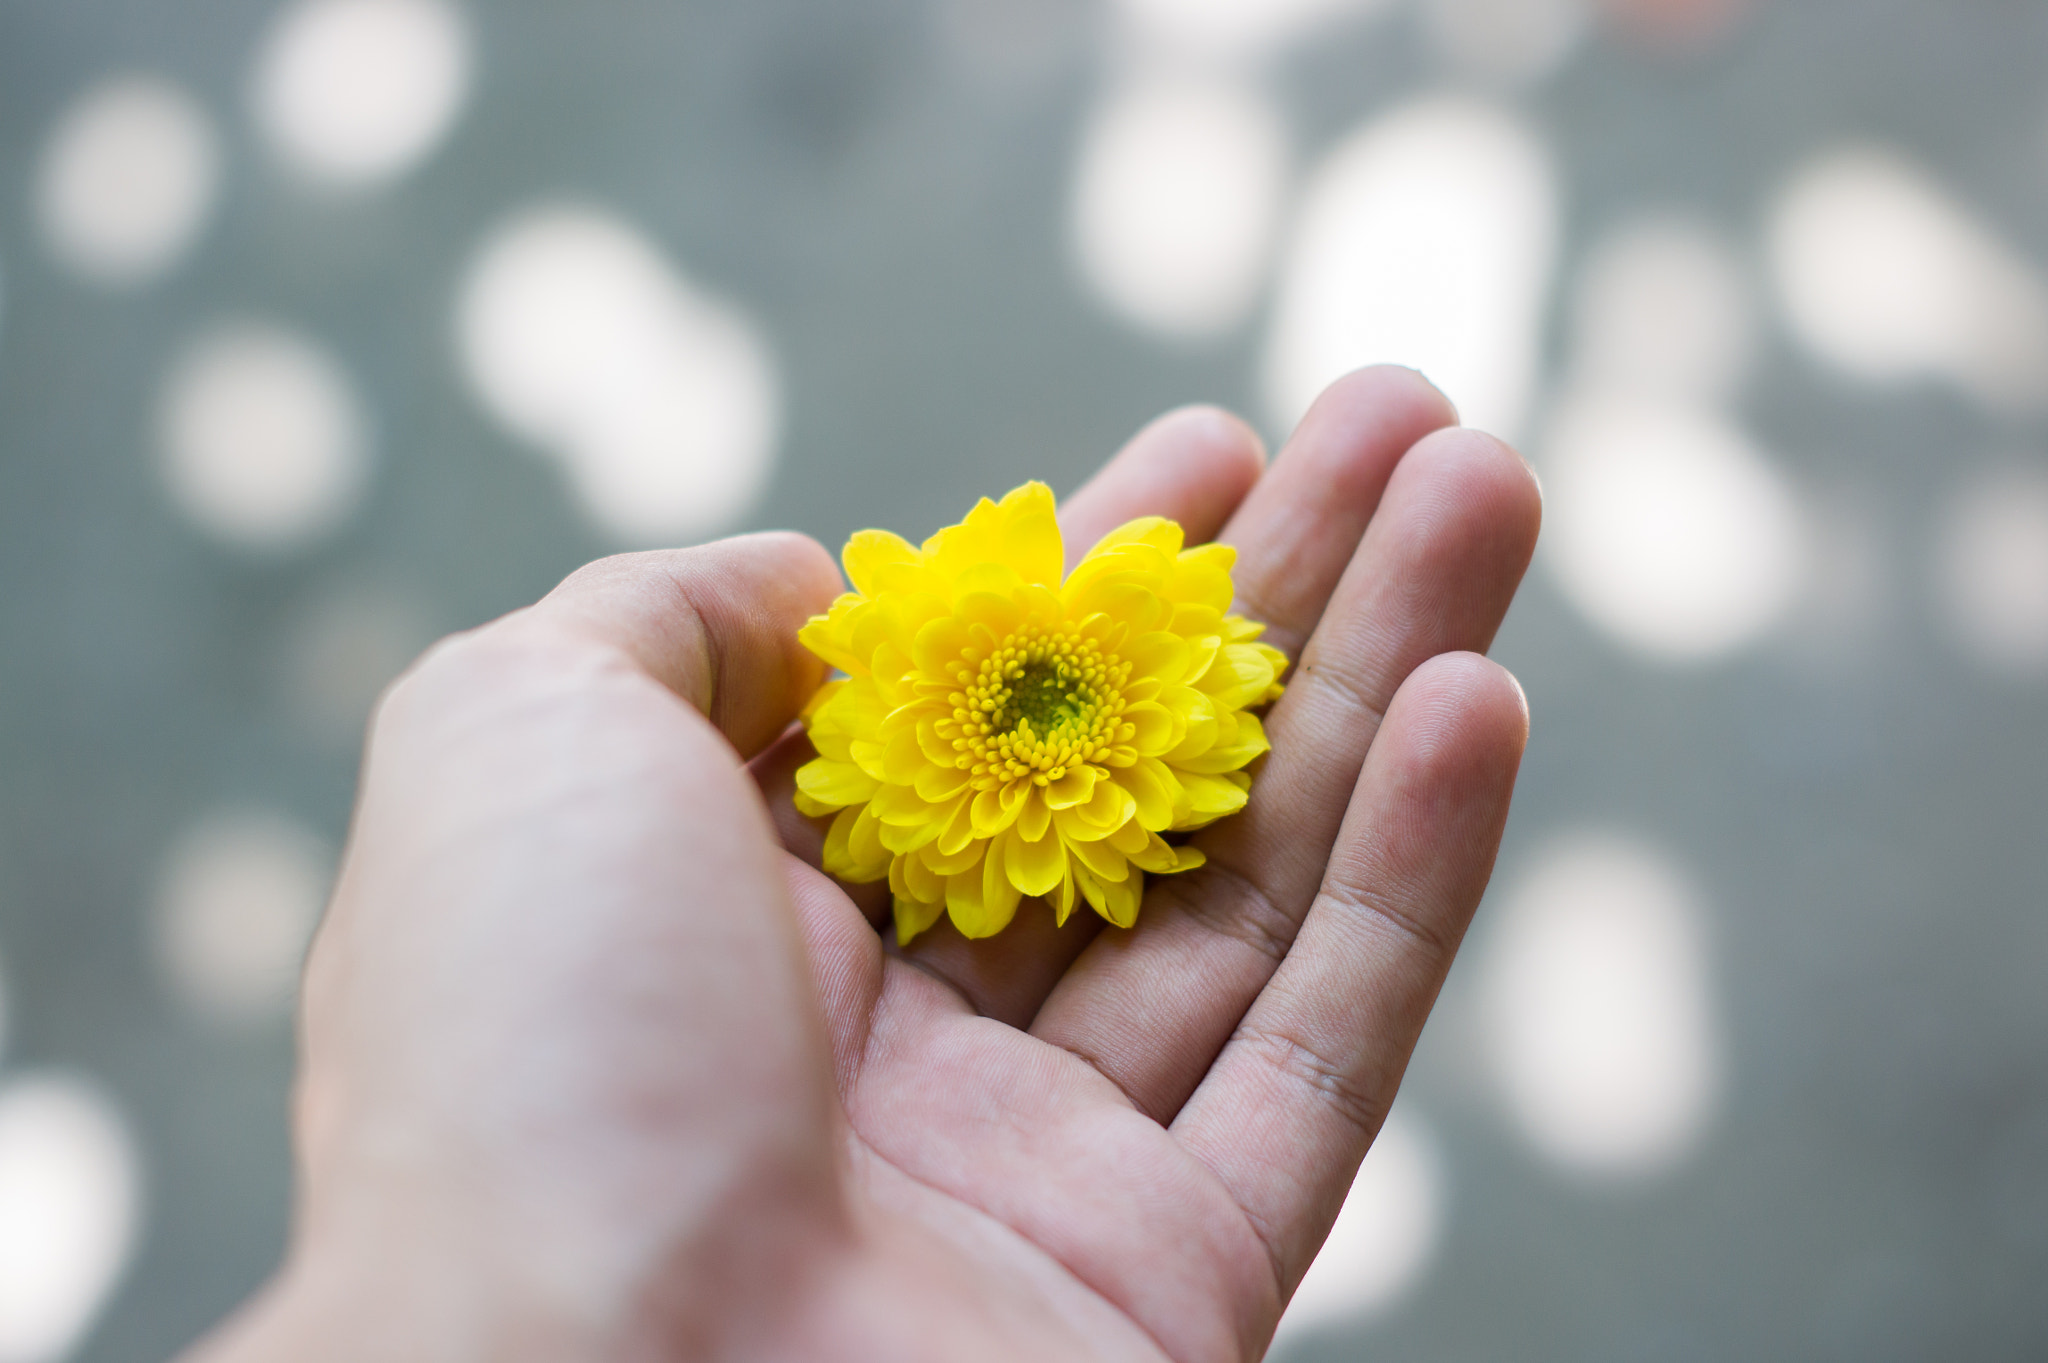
1043 702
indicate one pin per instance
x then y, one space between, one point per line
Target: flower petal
982 901
868 551
1152 785
867 755
1198 717
1034 817
1238 677
1132 839
1160 654
1156 855
1035 867
1116 901
830 636
1031 541
1071 789
1063 898
1155 730
1103 860
1247 743
1202 577
936 783
903 761
853 848
939 645
905 838
914 916
958 834
1212 797
944 863
1192 620
835 783
901 805
1157 531
922 883
1121 900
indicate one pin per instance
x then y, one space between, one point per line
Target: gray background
1875 1181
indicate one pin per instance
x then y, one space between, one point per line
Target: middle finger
1439 563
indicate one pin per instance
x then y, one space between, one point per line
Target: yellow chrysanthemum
1000 732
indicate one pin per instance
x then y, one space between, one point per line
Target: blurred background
328 326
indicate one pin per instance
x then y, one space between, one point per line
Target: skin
596 1064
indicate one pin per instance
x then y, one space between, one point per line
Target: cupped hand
596 1064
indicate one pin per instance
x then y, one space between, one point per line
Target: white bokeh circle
237 898
1890 277
127 180
1599 1008
1426 239
661 401
1991 560
70 1204
358 92
1668 529
263 441
1174 202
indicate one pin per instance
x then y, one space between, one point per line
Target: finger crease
1102 1067
1242 912
1316 1072
1370 904
1337 680
1355 1105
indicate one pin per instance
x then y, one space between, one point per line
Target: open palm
597 1064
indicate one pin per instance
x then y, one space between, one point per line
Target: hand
597 1065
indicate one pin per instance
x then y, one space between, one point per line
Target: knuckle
1342 686
1362 901
1325 1080
1231 904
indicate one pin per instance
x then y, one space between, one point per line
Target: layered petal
1001 732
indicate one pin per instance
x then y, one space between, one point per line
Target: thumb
716 624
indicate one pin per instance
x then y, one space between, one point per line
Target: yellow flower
1000 732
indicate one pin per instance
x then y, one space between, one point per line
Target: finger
716 624
1194 466
1297 531
1434 574
1297 1095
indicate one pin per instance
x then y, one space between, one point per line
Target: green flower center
1042 702
1046 694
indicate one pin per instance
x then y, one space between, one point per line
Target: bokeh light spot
237 898
1887 276
1426 240
69 1195
1668 529
1506 40
356 92
1174 202
1992 567
1664 310
1235 28
661 401
345 647
1384 1237
264 445
1598 1007
127 180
